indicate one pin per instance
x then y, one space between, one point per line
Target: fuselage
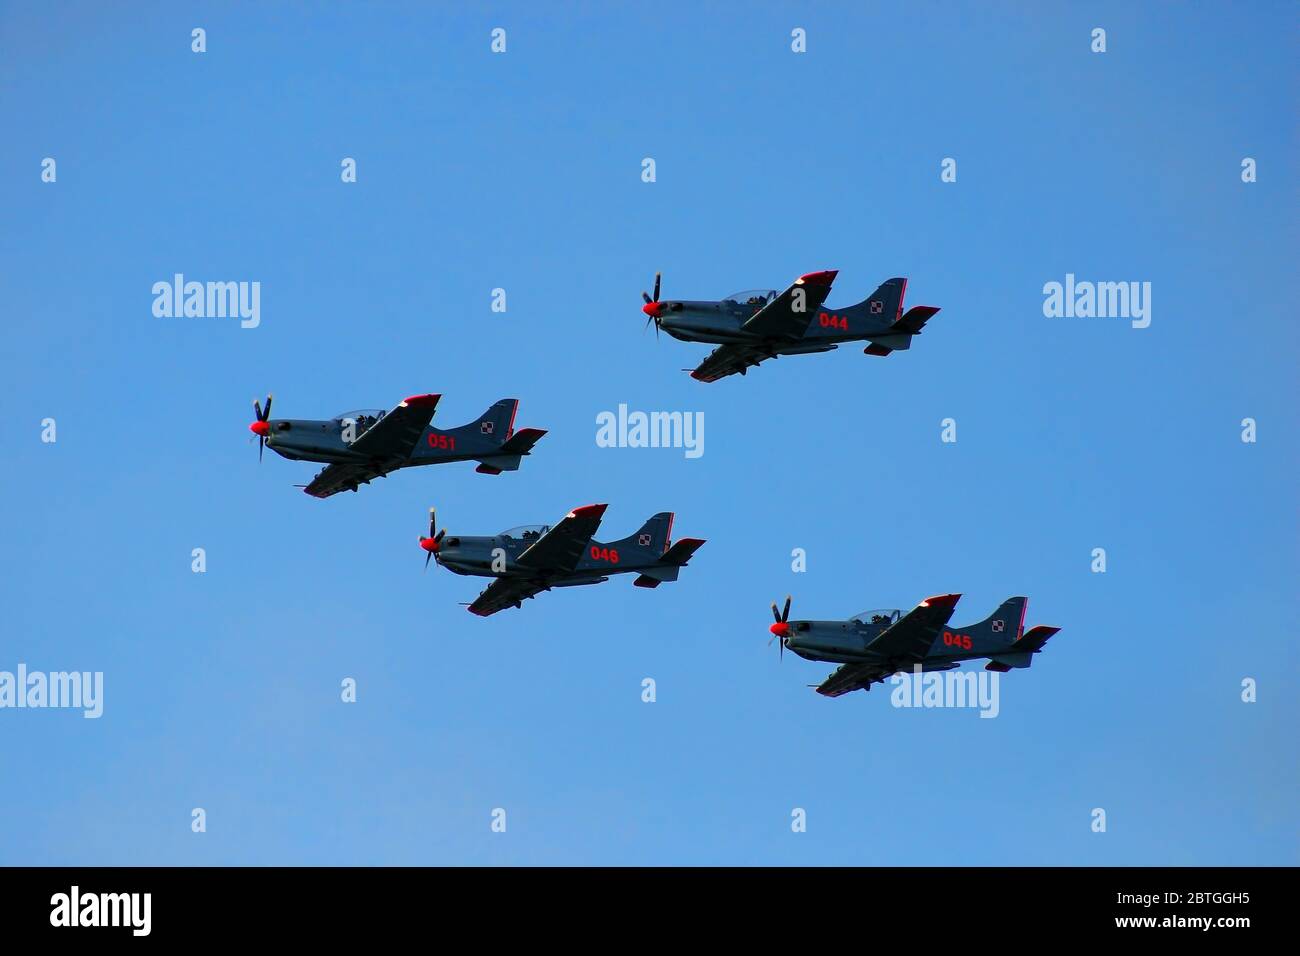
845 642
494 556
330 441
720 323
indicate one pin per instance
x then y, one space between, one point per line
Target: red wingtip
942 600
588 511
819 278
421 401
476 611
259 428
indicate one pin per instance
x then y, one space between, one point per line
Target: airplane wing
787 316
562 547
898 647
388 443
395 435
505 592
851 677
344 477
728 360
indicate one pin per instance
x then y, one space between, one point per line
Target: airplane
528 560
751 327
875 644
370 443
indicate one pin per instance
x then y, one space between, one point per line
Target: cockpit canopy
372 414
882 616
526 531
752 297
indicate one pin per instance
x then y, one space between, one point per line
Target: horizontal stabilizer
522 441
1034 638
914 319
681 551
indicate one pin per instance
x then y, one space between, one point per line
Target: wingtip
421 401
825 277
588 511
942 601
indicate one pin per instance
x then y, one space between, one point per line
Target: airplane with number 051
371 443
751 327
528 560
875 644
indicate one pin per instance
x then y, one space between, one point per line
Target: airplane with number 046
371 443
528 560
751 327
875 644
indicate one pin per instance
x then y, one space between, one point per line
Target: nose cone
653 309
429 544
780 629
259 428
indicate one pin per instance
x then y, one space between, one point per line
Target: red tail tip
941 600
421 401
819 278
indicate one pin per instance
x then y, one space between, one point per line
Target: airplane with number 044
528 560
751 327
371 443
875 644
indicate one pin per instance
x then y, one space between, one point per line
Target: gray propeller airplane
751 327
371 443
875 644
528 560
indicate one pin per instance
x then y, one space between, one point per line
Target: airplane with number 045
528 560
371 443
751 327
875 644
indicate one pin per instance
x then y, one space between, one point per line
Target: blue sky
522 171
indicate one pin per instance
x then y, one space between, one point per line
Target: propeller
651 307
431 543
780 629
260 426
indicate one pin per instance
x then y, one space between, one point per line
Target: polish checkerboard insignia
877 306
998 626
643 540
487 428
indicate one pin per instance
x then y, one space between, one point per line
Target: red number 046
604 554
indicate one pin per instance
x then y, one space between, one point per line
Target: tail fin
884 314
998 631
651 538
498 422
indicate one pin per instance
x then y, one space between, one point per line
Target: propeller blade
433 523
427 556
646 295
658 276
775 616
257 410
785 614
261 443
269 396
437 538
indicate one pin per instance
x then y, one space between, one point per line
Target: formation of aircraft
751 327
527 560
362 445
748 328
875 644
